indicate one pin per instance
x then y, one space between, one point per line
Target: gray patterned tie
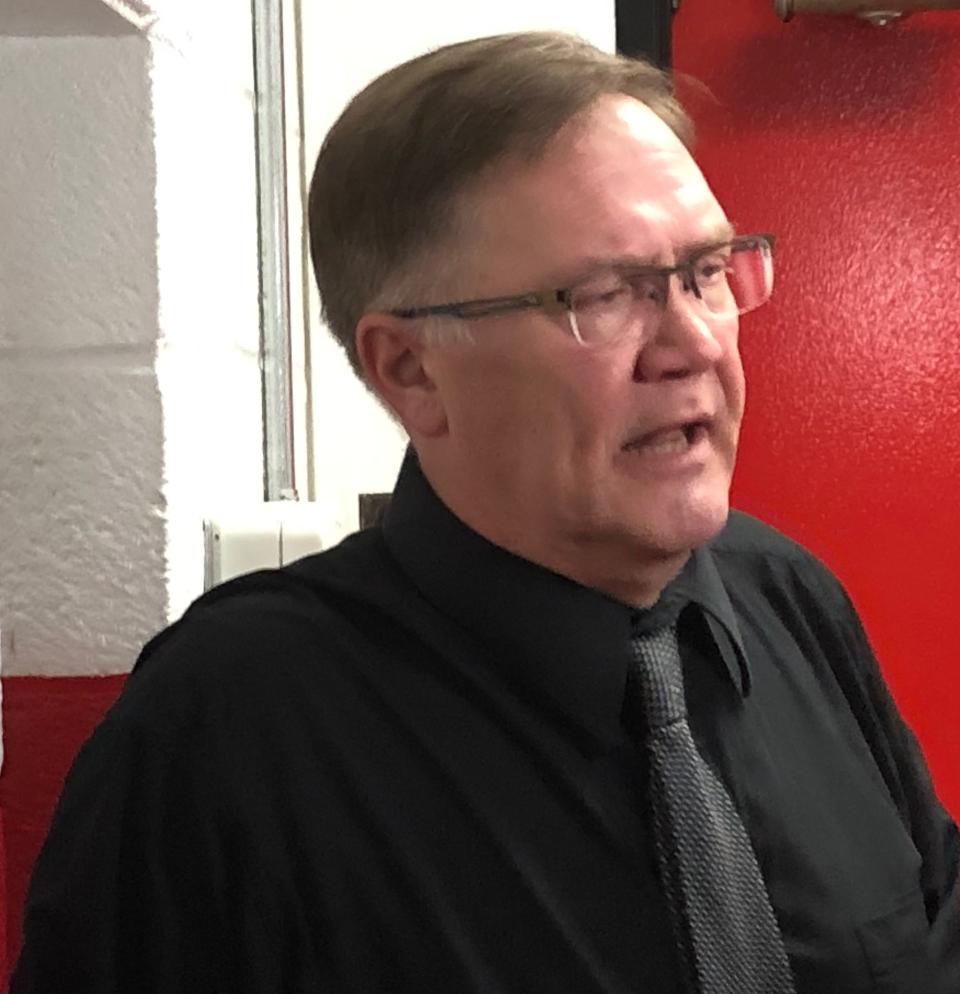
725 927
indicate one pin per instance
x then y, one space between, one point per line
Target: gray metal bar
788 8
275 357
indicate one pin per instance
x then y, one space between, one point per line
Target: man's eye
646 286
712 268
600 294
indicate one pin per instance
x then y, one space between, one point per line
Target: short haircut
390 174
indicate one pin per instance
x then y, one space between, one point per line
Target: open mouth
674 440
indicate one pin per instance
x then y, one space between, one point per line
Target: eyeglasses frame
559 301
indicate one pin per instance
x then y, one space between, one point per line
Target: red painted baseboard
45 721
4 968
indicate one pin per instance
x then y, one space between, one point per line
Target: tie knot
658 675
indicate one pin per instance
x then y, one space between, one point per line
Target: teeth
669 443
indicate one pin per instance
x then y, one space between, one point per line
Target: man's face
563 452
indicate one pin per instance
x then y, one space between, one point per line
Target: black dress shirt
400 766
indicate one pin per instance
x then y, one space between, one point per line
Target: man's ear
392 353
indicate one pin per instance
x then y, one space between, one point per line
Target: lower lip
691 456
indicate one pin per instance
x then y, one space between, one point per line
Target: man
562 722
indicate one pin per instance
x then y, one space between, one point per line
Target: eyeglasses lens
733 280
750 275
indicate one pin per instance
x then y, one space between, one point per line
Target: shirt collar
565 644
701 583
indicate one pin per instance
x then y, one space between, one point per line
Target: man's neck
622 569
625 575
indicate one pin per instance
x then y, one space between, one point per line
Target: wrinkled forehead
615 122
621 154
616 181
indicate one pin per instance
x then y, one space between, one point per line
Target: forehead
614 183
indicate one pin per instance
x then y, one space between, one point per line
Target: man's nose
688 339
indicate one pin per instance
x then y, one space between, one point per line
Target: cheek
732 382
510 404
549 410
598 403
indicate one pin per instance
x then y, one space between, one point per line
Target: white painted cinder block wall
129 322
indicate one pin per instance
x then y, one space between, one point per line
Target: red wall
3 902
844 140
44 723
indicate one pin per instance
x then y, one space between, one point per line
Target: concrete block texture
81 514
53 18
77 194
129 320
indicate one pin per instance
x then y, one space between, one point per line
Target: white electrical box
259 537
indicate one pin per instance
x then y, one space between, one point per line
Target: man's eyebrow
592 265
725 232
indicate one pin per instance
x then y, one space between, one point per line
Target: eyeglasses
725 280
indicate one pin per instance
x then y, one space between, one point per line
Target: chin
690 524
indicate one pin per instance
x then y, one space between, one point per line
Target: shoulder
751 553
264 637
745 535
784 596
